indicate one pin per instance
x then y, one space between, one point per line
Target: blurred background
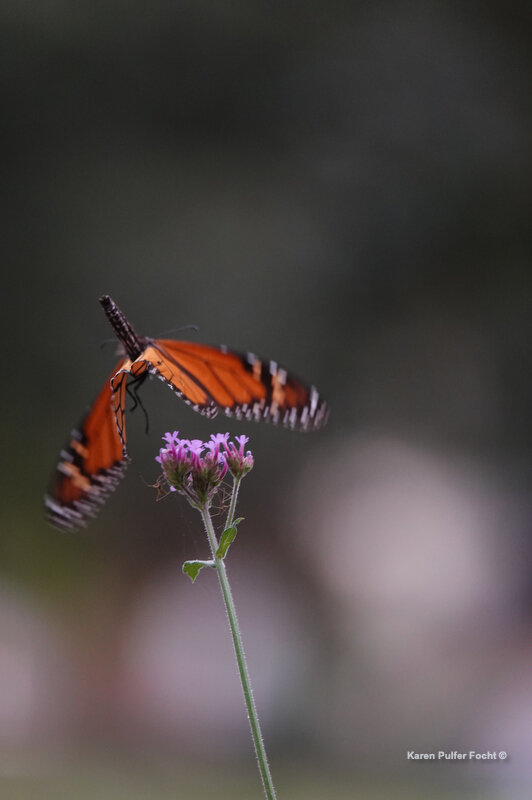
345 188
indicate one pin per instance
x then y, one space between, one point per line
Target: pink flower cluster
195 468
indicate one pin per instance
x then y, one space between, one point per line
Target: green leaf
227 538
192 568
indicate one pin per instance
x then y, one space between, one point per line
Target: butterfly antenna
105 342
181 329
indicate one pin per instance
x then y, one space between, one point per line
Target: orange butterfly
210 379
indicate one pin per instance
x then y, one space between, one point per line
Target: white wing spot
314 397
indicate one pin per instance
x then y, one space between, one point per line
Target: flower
195 468
238 463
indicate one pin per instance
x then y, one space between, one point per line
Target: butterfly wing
93 461
212 379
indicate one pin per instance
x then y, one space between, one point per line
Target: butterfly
209 379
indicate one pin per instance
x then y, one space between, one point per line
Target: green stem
232 504
239 649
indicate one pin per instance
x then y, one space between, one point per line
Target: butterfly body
133 343
209 379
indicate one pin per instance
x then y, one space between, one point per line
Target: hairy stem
239 649
232 504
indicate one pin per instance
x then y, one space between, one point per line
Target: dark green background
344 187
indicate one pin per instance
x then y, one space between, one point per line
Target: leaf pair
193 568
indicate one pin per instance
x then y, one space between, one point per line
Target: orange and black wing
93 461
212 379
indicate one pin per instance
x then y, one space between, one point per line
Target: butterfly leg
132 390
